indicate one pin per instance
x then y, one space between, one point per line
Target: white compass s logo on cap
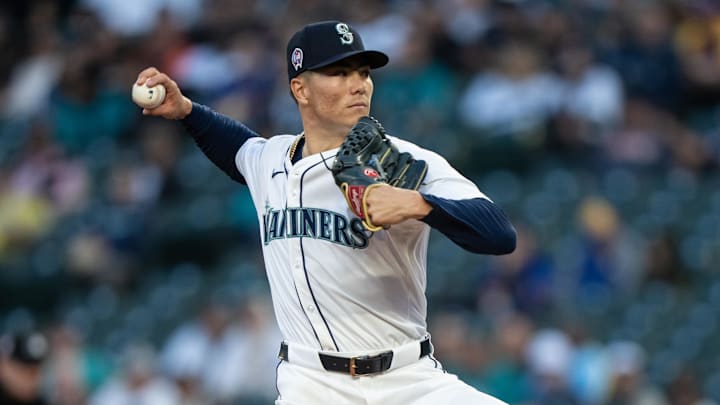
346 37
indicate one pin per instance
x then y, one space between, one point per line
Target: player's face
340 93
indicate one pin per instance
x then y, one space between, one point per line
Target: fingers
151 76
175 105
391 205
379 210
159 78
171 87
146 74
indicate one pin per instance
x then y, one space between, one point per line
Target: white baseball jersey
336 286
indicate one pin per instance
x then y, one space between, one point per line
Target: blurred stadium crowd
595 123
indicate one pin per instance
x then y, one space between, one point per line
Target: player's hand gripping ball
148 97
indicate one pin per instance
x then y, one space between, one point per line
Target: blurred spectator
549 355
639 142
685 390
90 257
417 86
507 108
24 217
259 344
42 169
651 138
389 31
110 247
611 260
135 17
629 382
156 173
511 20
646 58
589 376
594 91
515 97
33 79
223 16
663 260
506 375
85 113
204 68
466 21
21 360
592 102
697 41
248 93
460 348
137 381
528 274
73 369
221 360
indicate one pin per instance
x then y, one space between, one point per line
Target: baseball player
350 301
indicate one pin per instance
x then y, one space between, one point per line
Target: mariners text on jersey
314 223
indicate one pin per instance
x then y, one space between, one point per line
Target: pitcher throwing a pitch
345 213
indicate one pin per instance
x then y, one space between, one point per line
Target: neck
315 145
320 139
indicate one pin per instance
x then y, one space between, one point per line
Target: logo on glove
370 172
355 196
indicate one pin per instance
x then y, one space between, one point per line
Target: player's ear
299 89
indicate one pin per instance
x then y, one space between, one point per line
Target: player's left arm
475 224
448 202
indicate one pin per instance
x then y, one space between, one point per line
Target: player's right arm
218 136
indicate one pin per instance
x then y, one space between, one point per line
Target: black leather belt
359 365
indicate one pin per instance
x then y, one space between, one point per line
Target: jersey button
311 308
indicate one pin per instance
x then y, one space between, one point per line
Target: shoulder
442 179
276 140
274 143
417 151
282 139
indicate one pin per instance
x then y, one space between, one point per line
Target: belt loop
283 355
425 347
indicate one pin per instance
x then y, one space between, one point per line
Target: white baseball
148 97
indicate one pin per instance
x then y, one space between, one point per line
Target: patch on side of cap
297 58
346 37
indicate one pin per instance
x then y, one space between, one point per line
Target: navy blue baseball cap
324 43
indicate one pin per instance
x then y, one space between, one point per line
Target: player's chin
355 113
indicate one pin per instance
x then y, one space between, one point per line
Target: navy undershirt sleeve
218 136
476 224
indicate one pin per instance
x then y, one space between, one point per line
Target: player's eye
336 72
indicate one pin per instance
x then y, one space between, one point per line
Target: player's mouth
358 105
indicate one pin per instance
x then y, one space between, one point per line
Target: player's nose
358 83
